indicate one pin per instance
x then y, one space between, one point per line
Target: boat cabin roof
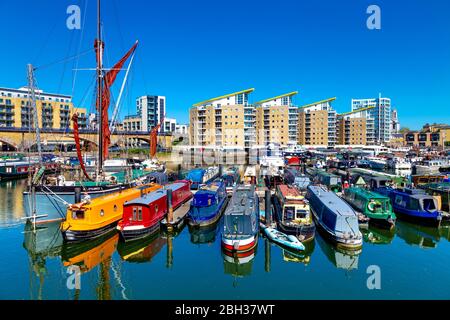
367 193
332 201
243 201
148 198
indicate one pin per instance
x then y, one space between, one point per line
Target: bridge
20 139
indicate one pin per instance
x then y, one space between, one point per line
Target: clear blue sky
193 50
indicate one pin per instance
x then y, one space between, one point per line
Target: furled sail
154 139
108 80
76 133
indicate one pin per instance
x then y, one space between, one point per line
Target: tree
404 130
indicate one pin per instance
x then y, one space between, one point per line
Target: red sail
154 139
76 134
108 80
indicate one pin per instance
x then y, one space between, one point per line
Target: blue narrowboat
414 205
200 176
337 220
208 204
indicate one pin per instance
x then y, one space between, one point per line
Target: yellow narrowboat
90 219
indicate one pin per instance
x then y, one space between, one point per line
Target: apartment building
317 124
151 109
355 128
54 110
276 120
380 112
226 121
435 135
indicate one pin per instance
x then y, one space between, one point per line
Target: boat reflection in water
43 243
238 264
420 235
299 256
376 235
341 258
89 254
143 250
204 235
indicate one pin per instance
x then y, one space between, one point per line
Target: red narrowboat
141 216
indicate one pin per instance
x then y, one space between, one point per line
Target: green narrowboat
376 207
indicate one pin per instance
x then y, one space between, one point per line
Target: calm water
414 263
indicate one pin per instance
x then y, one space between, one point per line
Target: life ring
372 204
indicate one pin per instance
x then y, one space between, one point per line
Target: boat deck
178 217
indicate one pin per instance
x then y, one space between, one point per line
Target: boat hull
131 234
78 235
239 245
196 223
420 219
338 241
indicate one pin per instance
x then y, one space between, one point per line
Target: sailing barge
241 220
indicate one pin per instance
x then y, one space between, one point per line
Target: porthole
102 213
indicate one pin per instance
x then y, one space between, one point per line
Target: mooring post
267 255
169 206
268 208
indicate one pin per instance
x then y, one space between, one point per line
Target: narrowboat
231 178
320 176
337 220
296 178
141 216
200 176
241 220
19 169
208 204
414 205
292 213
55 193
372 205
93 218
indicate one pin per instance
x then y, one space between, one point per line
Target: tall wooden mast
100 90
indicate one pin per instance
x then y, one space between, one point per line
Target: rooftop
318 102
223 97
293 93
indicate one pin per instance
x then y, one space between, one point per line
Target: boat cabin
293 204
152 207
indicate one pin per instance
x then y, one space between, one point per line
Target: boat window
399 201
134 213
429 205
115 207
140 213
302 214
289 213
413 204
156 208
78 214
102 213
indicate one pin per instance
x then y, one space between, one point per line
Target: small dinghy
287 241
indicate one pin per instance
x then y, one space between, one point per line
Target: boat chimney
268 208
77 195
169 206
220 170
179 171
